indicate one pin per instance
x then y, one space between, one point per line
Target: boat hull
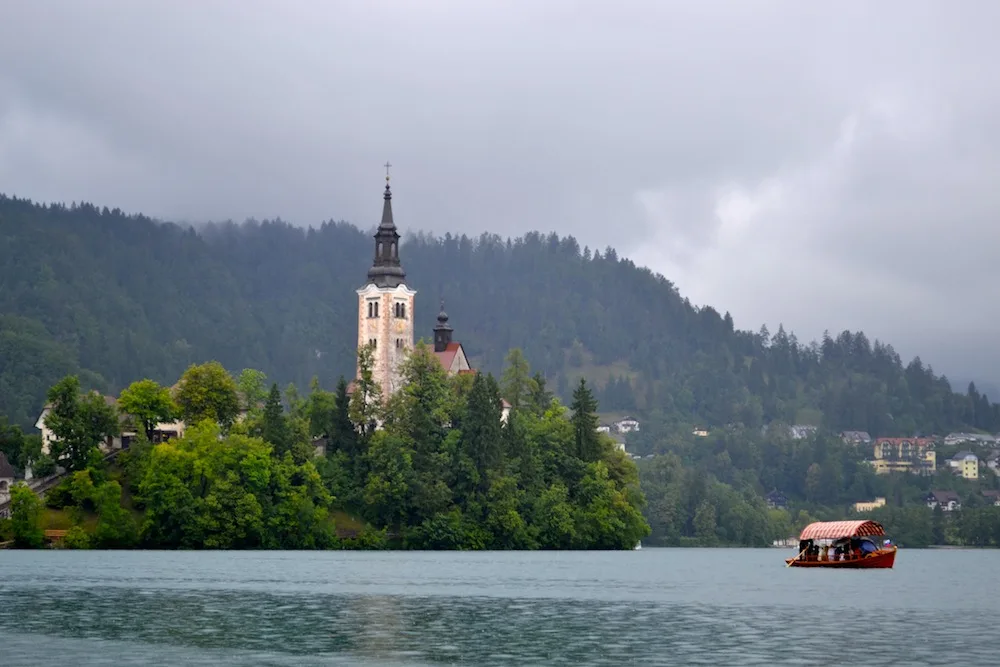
882 559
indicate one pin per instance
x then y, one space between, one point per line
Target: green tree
539 398
78 423
116 528
12 443
320 408
208 392
76 538
366 401
343 434
252 388
274 425
390 466
585 423
26 517
704 523
148 404
481 429
516 380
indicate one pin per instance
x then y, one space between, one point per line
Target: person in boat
867 547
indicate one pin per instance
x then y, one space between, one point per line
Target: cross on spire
387 165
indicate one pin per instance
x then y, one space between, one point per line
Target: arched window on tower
380 250
370 309
392 249
376 309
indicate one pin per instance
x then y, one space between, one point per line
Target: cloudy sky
827 165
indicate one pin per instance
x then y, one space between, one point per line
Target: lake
654 606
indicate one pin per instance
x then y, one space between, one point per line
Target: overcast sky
828 165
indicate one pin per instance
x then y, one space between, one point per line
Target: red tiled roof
447 357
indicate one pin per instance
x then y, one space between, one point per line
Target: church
386 314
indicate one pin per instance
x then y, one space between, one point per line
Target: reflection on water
98 618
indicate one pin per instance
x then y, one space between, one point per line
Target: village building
992 497
976 438
993 461
801 431
914 455
868 505
860 438
966 464
626 425
948 501
776 500
161 433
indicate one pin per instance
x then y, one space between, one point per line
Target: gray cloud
825 165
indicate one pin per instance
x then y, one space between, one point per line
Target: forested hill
114 298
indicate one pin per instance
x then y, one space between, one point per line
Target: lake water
654 606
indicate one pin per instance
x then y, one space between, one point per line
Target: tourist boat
845 544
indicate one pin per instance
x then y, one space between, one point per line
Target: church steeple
386 270
442 332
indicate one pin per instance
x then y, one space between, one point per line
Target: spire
387 222
386 270
442 332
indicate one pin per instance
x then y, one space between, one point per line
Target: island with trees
436 466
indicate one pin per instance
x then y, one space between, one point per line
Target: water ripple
443 609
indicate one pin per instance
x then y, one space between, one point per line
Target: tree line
713 490
435 466
109 297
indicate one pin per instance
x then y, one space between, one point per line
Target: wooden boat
843 544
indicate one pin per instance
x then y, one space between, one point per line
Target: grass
62 519
345 521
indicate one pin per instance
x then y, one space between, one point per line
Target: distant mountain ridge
117 297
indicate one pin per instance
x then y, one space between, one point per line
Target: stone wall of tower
393 335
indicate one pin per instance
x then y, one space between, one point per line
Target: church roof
447 356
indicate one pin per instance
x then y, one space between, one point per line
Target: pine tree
274 425
585 423
481 429
539 398
343 436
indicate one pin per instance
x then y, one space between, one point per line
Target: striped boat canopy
834 530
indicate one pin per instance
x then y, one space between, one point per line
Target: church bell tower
385 304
